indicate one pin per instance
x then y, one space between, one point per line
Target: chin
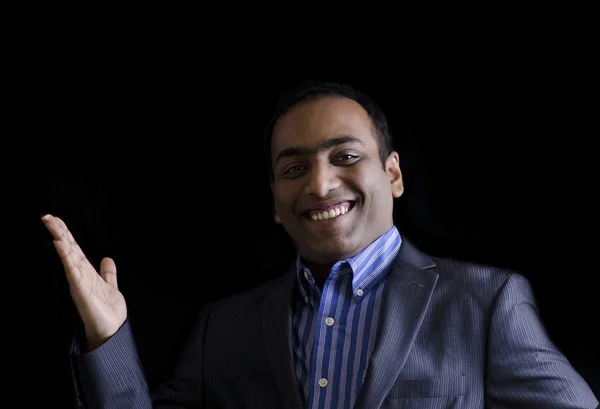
329 253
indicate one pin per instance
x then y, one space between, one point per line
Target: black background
169 179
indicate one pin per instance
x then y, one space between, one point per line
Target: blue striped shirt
334 331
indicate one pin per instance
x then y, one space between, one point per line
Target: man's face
332 193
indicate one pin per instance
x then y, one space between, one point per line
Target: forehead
310 123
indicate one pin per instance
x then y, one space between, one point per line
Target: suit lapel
276 332
406 299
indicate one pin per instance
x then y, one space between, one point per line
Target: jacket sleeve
112 377
525 368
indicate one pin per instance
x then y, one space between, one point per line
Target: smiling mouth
331 212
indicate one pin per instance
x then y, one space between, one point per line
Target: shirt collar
367 267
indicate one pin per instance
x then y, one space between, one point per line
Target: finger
108 271
74 260
55 228
60 232
70 240
70 261
71 254
66 236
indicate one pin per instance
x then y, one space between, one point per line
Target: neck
320 272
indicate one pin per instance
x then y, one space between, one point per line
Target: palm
98 299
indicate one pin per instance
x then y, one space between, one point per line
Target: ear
275 212
392 168
276 215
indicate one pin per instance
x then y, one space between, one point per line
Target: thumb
108 271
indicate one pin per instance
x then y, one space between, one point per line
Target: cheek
283 202
373 185
364 180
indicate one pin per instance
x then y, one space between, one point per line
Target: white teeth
331 213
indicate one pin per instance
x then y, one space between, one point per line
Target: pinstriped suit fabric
120 372
450 335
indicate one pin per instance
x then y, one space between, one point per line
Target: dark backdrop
168 178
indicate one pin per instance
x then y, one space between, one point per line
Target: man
362 319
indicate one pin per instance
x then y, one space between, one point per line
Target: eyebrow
328 144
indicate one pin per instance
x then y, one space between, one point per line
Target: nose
322 180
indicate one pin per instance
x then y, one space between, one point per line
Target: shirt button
359 292
323 382
329 321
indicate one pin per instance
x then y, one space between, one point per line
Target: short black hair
314 89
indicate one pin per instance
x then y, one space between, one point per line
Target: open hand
97 298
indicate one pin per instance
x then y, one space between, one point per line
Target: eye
293 169
346 158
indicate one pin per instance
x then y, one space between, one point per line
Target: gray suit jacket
453 335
